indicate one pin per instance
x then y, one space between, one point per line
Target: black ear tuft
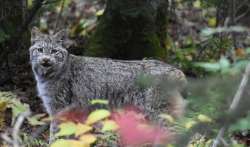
35 34
60 36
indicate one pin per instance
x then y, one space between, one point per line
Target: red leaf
75 115
135 130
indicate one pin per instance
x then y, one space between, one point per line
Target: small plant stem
235 103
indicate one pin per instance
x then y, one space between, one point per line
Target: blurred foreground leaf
97 115
66 129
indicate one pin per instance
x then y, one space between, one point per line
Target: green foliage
211 31
205 3
9 100
222 65
3 35
241 125
29 141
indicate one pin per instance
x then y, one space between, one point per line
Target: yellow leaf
204 118
97 115
88 139
3 105
69 143
240 52
169 145
66 129
197 4
60 143
100 12
190 145
190 124
82 128
109 125
30 3
167 117
212 22
76 143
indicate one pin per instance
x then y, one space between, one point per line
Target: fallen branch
14 140
235 103
16 129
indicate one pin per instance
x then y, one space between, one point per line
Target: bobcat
64 79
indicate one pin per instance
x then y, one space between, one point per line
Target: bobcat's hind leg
177 104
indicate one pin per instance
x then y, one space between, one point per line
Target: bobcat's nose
45 62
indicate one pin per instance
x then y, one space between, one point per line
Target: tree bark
131 30
13 43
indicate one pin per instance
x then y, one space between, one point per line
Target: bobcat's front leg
53 129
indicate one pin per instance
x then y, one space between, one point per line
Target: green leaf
242 124
214 67
18 108
207 32
35 120
97 116
248 50
99 101
224 63
66 129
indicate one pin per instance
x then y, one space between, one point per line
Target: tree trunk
131 30
13 44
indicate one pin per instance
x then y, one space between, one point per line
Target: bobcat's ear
35 34
60 36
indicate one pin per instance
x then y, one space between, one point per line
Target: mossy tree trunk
13 43
131 29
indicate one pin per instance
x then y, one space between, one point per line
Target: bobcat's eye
53 51
40 50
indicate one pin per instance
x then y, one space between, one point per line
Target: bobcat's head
47 54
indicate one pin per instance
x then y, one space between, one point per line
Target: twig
242 15
6 138
242 3
13 140
224 142
16 129
235 103
59 15
40 130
